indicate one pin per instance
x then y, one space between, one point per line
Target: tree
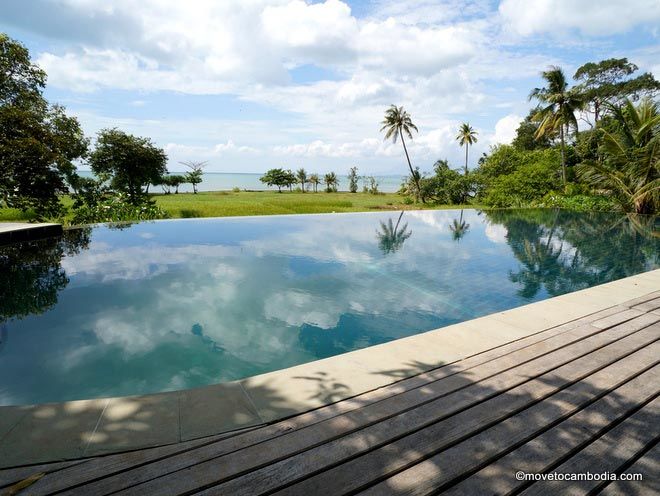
630 166
289 178
129 162
39 143
301 175
176 181
558 114
397 122
196 174
314 180
526 138
466 137
21 82
353 180
275 177
607 82
331 182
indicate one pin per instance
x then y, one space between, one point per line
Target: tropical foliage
557 114
630 166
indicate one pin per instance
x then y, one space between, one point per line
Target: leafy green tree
275 177
314 180
391 237
21 82
331 182
290 178
608 81
630 167
370 185
301 175
526 138
396 123
466 137
353 180
129 162
446 185
558 110
176 181
511 177
39 143
196 174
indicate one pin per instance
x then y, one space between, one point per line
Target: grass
229 203
225 203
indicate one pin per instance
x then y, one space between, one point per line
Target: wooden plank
585 408
609 453
648 466
648 306
418 431
544 451
52 482
11 476
525 349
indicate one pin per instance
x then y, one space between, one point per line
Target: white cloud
505 129
594 18
446 61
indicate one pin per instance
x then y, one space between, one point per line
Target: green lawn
226 203
223 203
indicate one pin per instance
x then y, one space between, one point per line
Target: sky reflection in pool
177 304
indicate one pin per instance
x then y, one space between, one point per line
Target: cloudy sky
254 84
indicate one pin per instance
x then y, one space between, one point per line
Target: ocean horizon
226 181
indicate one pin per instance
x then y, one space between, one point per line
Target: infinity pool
107 311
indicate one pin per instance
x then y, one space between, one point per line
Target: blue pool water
158 306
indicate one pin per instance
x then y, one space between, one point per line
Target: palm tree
397 122
331 182
459 227
558 114
630 169
301 175
314 181
390 237
466 137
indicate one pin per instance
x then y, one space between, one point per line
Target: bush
117 208
512 178
582 203
527 184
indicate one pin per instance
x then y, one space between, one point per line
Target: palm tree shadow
391 237
459 228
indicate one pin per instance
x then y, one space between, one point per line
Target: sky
248 85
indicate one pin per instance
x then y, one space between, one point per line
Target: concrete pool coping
15 232
62 431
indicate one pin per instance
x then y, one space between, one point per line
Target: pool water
157 306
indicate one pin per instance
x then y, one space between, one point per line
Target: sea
225 181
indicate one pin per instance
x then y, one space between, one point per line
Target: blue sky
253 84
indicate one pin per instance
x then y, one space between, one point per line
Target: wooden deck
581 397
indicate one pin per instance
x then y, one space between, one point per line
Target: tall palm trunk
563 157
466 158
412 172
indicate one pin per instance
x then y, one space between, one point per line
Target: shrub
581 202
117 208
